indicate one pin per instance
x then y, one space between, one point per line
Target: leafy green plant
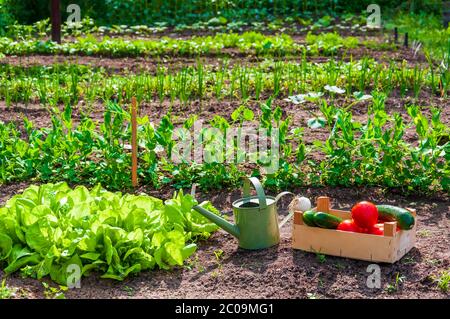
443 281
51 292
5 291
321 258
393 288
51 227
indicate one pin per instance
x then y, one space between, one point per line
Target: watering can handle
289 216
259 191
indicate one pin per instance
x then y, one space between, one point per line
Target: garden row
289 25
68 84
248 43
424 29
373 152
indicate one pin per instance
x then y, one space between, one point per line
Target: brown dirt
280 271
174 63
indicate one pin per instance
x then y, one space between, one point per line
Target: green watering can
256 218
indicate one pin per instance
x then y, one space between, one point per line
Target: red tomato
349 225
365 214
377 229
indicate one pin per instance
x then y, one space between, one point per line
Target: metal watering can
256 218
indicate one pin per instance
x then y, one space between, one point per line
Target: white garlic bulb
300 204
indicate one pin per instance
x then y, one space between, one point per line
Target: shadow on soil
334 275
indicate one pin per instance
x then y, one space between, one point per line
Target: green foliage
212 11
329 43
49 228
428 30
68 84
249 42
54 292
355 153
5 17
443 281
394 287
5 291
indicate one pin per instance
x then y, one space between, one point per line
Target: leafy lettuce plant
55 230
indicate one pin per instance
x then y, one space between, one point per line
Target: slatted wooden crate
389 248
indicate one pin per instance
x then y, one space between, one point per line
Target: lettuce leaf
52 230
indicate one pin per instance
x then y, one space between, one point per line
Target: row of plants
51 85
248 42
42 29
53 230
354 153
425 30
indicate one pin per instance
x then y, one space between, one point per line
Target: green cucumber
405 220
308 218
325 220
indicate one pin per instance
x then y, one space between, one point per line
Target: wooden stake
56 21
134 162
395 35
406 40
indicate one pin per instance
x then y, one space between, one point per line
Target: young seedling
310 295
5 291
54 292
424 233
392 288
443 281
409 261
321 258
129 290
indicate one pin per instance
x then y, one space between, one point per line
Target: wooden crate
389 248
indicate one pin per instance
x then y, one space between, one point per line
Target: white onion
301 204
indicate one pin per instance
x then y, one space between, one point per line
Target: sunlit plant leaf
317 122
334 89
360 96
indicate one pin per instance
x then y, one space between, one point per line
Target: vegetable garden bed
358 120
220 270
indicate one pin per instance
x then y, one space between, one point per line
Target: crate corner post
323 204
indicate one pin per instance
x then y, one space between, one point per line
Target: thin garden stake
395 35
134 162
406 39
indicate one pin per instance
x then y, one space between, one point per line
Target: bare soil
280 271
174 63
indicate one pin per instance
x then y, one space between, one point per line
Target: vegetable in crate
405 220
377 229
308 218
349 225
365 214
325 220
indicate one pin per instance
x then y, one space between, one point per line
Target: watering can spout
222 223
